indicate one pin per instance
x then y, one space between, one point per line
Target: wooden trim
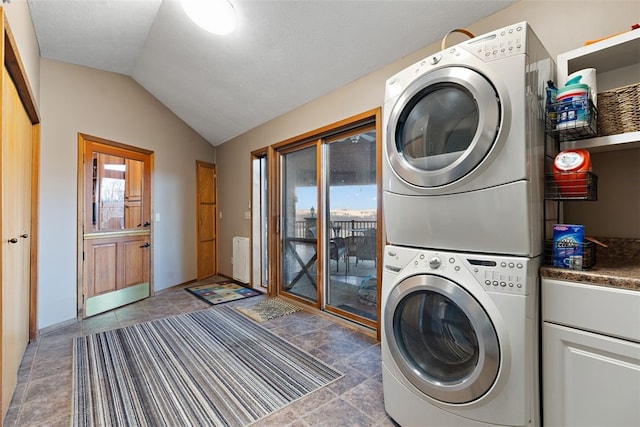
35 215
381 235
2 89
80 198
13 62
325 131
109 143
272 219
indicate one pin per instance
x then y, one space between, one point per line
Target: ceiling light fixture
214 16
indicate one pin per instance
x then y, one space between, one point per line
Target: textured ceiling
283 54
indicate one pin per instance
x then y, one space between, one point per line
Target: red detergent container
570 172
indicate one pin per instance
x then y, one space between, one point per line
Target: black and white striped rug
212 367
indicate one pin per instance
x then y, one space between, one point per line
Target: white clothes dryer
460 338
463 140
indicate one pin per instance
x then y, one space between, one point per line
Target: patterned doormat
219 293
213 367
268 309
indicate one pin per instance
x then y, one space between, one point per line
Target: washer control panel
499 274
494 273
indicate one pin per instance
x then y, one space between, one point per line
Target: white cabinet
590 355
617 63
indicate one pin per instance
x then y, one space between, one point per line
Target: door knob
24 236
14 240
146 245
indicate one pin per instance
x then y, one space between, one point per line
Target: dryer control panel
498 44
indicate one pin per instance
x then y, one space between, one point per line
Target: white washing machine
460 338
463 142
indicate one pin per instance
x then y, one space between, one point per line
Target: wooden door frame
82 138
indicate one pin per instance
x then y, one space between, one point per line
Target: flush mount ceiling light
214 16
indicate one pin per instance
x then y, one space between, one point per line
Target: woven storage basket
619 110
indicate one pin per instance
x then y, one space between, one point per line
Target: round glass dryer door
442 339
442 126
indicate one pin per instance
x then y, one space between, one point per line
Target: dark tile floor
43 395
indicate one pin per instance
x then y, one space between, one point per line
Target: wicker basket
619 110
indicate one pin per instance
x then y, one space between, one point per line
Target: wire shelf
571 186
569 121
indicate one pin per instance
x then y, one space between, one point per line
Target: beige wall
112 106
560 25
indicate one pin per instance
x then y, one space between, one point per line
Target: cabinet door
589 379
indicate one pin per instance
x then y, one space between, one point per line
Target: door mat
268 309
219 293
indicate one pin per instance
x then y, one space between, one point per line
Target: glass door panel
117 193
352 225
299 223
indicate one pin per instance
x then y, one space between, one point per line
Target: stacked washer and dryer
463 203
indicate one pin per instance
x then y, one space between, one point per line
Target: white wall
111 106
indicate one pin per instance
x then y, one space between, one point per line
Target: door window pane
352 227
299 223
117 193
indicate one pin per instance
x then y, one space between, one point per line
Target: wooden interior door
206 211
17 147
116 229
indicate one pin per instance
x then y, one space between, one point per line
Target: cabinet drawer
609 311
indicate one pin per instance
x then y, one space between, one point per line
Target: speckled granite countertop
616 266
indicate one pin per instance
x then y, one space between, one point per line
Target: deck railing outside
340 228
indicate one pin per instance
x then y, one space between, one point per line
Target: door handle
146 245
24 236
14 240
146 224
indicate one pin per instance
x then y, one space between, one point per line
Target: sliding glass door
328 227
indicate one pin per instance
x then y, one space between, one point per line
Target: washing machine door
442 126
441 339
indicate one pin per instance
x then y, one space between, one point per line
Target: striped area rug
212 367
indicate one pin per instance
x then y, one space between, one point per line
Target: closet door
16 235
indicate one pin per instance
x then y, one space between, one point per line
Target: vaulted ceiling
284 53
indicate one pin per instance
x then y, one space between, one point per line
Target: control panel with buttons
494 273
500 44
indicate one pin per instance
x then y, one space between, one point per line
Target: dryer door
442 126
441 339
